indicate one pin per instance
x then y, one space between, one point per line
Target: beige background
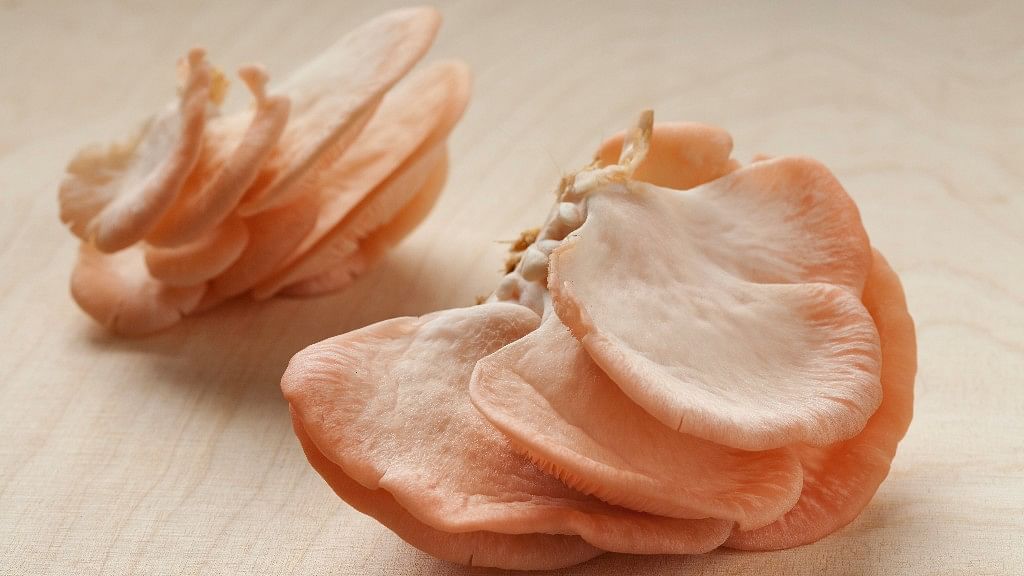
173 454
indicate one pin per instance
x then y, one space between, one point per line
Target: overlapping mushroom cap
389 405
297 195
685 346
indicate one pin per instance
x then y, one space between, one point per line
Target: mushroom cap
201 260
342 242
273 235
119 293
112 196
545 393
390 405
840 480
419 112
730 311
334 95
681 155
234 150
479 548
380 174
374 246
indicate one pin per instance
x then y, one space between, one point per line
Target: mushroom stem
637 142
526 282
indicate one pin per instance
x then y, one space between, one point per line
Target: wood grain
173 454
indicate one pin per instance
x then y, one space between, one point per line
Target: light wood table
173 454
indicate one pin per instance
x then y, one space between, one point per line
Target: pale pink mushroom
712 353
730 311
334 95
419 112
381 172
112 196
479 548
681 155
201 260
273 235
374 246
343 241
234 150
389 405
839 480
278 193
545 393
118 292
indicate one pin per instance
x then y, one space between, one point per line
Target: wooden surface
173 454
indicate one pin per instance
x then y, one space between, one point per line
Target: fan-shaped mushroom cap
731 311
389 404
419 112
681 155
201 260
334 95
112 196
118 292
234 150
273 235
376 245
342 242
486 549
839 480
381 172
546 394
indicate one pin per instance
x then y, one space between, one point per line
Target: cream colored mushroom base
687 354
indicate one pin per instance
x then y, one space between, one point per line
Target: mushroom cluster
294 196
690 354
